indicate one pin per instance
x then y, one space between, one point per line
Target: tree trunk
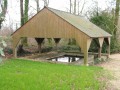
78 7
38 7
26 11
3 4
69 42
21 12
25 19
46 3
70 6
116 17
74 6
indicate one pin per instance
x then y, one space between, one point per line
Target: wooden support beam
57 40
99 52
89 43
73 59
16 41
107 40
15 52
69 59
85 45
85 57
39 42
108 49
39 47
56 59
86 48
100 48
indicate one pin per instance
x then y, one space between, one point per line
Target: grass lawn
28 75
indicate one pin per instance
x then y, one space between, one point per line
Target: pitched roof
82 24
78 22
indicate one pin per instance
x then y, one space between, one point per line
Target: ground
19 74
114 67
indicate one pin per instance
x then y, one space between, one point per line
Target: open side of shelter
51 23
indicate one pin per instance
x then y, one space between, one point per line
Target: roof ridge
63 11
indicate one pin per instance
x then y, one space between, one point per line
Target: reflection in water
64 59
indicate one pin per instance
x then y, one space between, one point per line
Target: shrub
2 45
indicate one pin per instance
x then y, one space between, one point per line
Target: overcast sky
13 12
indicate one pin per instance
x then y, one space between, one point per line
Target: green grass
28 75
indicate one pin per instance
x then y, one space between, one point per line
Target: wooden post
39 48
86 57
86 54
39 41
86 48
15 52
73 59
108 49
16 41
57 40
56 59
99 52
107 40
68 59
100 46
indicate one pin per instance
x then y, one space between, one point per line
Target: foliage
3 4
70 48
2 45
105 20
0 59
29 75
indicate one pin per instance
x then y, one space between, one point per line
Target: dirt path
114 66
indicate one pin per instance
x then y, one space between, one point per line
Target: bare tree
46 3
117 9
3 4
78 6
83 6
75 6
38 6
21 12
26 11
70 6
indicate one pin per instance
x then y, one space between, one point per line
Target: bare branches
3 5
83 6
38 6
46 3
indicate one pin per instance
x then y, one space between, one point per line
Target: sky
13 13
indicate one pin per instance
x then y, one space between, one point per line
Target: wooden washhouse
52 23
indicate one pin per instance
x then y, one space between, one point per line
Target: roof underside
82 24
